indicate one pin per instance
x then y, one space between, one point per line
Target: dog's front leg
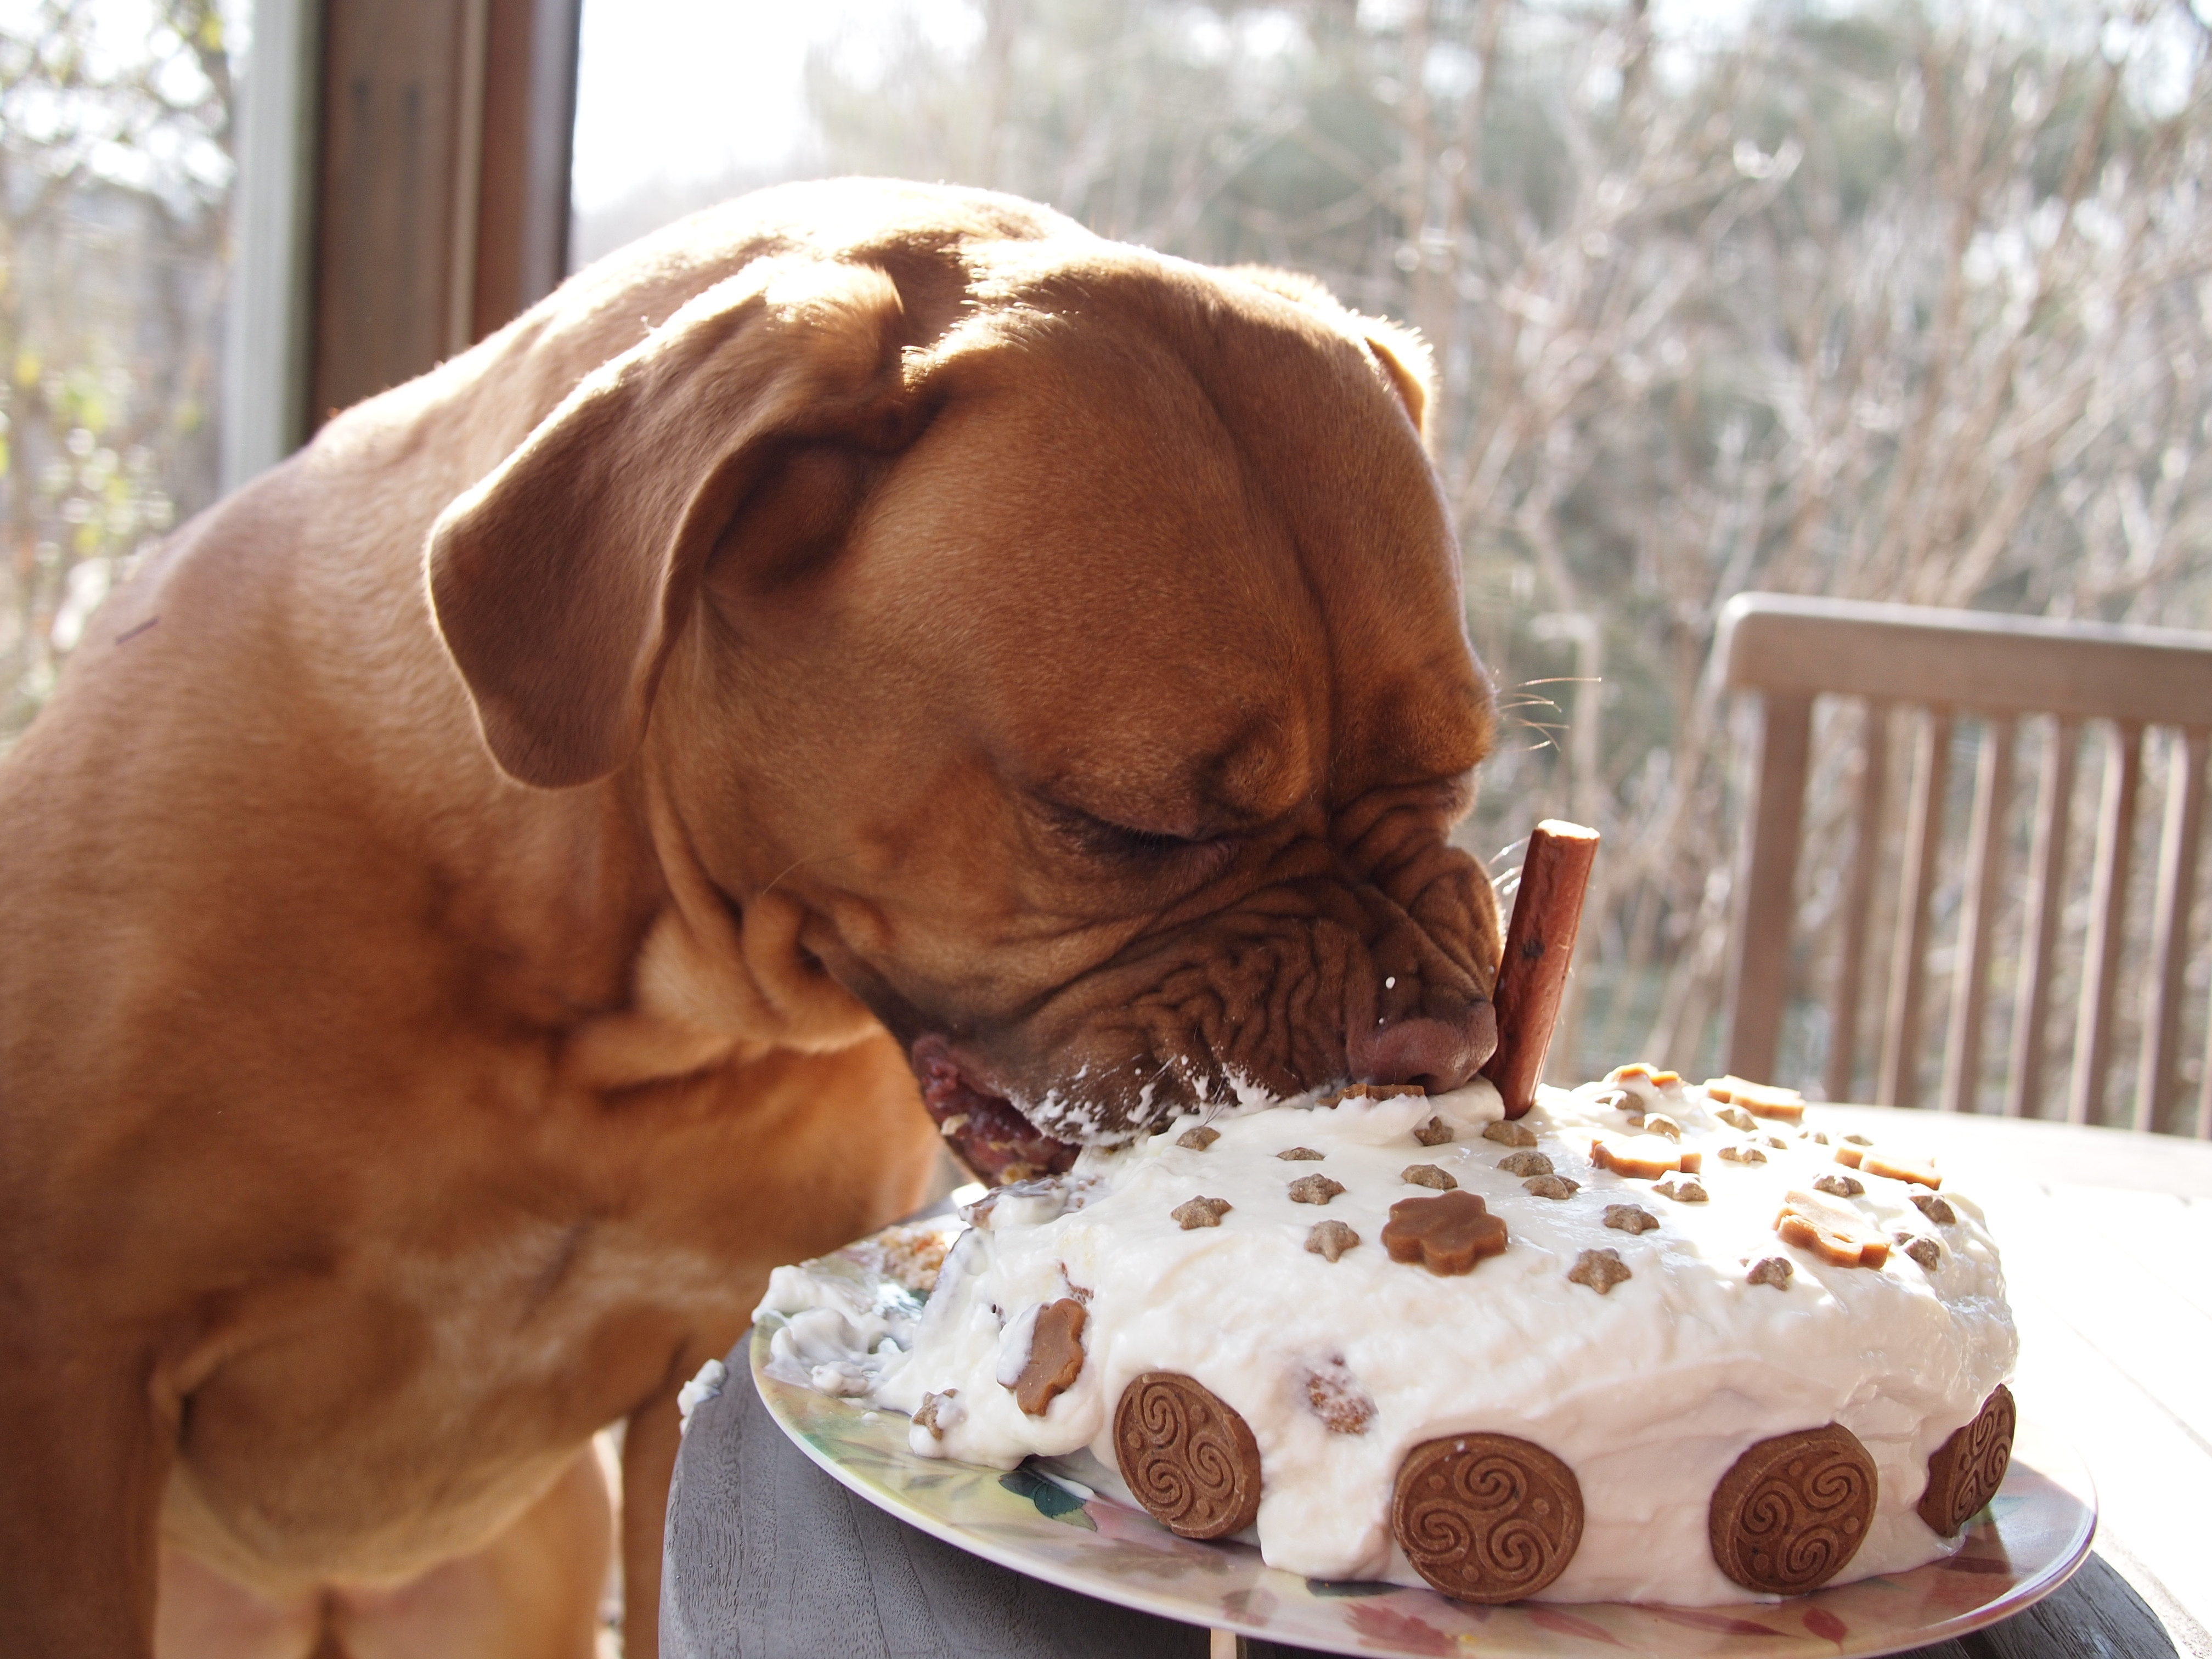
85 1457
650 1438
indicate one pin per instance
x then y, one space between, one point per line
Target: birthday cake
1638 1341
1648 1341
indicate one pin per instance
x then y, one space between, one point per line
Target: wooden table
2107 1241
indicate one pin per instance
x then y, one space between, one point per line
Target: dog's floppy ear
561 580
1403 357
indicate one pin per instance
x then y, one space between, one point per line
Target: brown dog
865 623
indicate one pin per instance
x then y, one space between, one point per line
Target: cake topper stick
1538 943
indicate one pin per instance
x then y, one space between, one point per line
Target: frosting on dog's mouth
986 1131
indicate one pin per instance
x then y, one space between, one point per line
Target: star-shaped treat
1200 1212
1599 1269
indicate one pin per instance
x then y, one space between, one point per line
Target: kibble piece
1922 1248
1427 1175
1658 1124
1525 1164
1315 1189
1301 1155
1742 1155
1202 1212
1935 1209
1599 1269
1778 1143
1857 1140
1507 1133
938 1413
1619 1100
1774 1270
1841 1186
1198 1140
1551 1186
1681 1188
912 1256
1331 1239
1630 1219
1340 1403
1735 1117
1819 1138
1434 1133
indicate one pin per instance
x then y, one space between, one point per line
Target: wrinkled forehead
1211 532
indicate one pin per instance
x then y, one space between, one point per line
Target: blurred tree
115 169
1895 301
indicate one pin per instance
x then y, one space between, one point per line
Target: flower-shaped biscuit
1447 1234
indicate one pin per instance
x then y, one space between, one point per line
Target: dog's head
1073 636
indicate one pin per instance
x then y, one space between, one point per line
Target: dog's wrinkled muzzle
1439 1054
996 1140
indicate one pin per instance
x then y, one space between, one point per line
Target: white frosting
1648 1392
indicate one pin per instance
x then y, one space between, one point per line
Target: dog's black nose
1439 1054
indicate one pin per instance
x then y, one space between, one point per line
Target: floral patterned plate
2032 1535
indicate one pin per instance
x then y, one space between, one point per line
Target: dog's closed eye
1126 844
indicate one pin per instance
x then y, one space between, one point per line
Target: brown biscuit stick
1539 943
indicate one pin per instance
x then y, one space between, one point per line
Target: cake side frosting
1645 1358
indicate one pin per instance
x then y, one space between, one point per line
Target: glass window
115 176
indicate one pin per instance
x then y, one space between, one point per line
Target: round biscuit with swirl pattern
1792 1511
1967 1470
1486 1517
1190 1458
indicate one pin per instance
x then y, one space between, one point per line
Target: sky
729 98
671 91
676 91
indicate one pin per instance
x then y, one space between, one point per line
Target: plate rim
2075 1480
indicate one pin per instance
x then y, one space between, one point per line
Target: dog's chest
424 1398
400 1408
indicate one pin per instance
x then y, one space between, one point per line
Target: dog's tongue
984 1131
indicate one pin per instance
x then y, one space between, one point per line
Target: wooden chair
1996 671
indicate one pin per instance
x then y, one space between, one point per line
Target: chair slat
1858 901
2046 903
1759 968
2108 907
2158 1096
1970 985
1777 642
1898 1083
2204 1084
